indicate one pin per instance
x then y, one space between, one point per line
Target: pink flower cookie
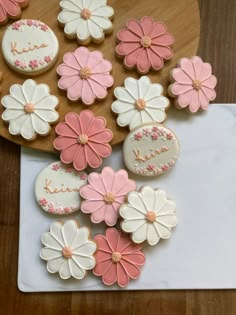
192 84
11 9
144 45
85 75
117 258
105 193
83 140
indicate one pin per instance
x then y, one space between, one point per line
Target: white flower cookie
148 215
140 101
86 19
30 109
68 250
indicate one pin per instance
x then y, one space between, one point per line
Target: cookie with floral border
148 215
150 150
193 85
86 20
68 250
11 9
30 109
30 47
57 188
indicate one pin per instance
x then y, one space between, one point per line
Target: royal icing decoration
86 20
68 250
118 259
139 102
11 9
150 150
30 109
57 188
193 85
83 140
144 45
148 215
29 47
105 193
85 75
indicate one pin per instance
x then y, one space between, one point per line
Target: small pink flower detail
146 131
83 176
33 64
150 167
67 209
165 167
47 59
138 136
16 26
43 202
55 167
44 27
169 136
51 208
154 136
155 129
17 63
30 22
118 259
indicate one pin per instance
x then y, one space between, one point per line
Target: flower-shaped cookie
144 45
139 102
85 75
117 258
193 84
86 20
83 140
11 9
68 250
148 215
30 109
105 193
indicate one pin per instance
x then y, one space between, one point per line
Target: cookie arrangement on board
136 217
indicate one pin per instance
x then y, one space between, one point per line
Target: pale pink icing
105 193
144 44
117 258
87 87
77 127
11 8
193 84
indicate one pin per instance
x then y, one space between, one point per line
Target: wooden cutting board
182 20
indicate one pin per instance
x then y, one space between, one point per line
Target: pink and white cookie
149 215
105 193
144 44
85 75
11 9
57 188
83 140
192 84
118 259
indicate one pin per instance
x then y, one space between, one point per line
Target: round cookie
30 47
57 188
150 150
11 9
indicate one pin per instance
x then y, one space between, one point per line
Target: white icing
77 239
134 212
127 97
57 188
150 150
29 124
94 26
38 41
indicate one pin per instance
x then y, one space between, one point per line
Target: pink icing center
85 14
116 257
83 139
197 84
140 104
150 216
29 108
146 41
109 198
67 252
85 73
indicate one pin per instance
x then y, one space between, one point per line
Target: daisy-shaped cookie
86 19
105 193
148 215
140 101
118 259
192 84
11 9
68 250
83 140
85 75
144 45
30 109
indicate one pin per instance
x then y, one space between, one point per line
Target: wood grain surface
218 46
182 21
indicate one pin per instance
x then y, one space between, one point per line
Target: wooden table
218 46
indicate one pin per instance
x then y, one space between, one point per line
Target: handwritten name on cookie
144 158
16 51
62 189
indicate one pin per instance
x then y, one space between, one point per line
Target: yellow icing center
29 108
109 198
83 139
146 41
85 73
67 252
150 216
140 104
116 257
85 14
196 84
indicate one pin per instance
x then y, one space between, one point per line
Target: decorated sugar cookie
118 259
105 193
148 215
140 101
150 150
30 109
144 45
85 75
83 140
30 47
57 188
68 250
192 84
11 9
86 20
